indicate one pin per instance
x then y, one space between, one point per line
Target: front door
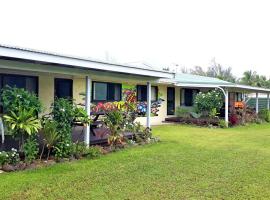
170 101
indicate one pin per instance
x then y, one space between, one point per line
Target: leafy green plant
182 112
114 121
22 123
138 127
79 149
264 114
30 149
222 124
213 113
13 157
63 114
147 134
10 157
50 136
3 158
195 115
80 116
205 102
14 99
93 152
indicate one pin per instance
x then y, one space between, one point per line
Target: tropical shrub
234 119
80 116
10 157
115 122
195 115
63 114
93 152
182 112
3 158
222 124
14 99
213 113
50 136
30 149
205 102
146 134
22 123
78 149
264 114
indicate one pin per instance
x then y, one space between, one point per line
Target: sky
161 33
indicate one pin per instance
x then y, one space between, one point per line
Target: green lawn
189 163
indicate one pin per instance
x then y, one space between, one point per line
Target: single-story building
52 75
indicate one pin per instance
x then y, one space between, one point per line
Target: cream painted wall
46 91
79 86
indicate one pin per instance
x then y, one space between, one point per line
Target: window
154 93
63 88
142 93
188 96
238 96
170 101
29 83
107 91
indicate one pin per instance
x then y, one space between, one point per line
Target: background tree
215 70
253 79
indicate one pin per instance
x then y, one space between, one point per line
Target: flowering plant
206 102
11 157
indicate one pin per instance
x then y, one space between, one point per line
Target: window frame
137 96
107 100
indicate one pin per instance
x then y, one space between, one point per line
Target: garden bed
90 153
198 122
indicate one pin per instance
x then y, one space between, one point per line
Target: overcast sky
188 33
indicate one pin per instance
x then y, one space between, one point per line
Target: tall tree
253 79
197 70
249 78
218 71
215 70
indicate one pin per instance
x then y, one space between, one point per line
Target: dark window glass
26 82
142 93
114 92
107 91
188 96
14 81
170 101
63 88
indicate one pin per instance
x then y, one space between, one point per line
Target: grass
189 163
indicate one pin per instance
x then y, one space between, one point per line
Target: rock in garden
8 168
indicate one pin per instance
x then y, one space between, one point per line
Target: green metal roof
196 79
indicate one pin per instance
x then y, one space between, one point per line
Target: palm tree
249 78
